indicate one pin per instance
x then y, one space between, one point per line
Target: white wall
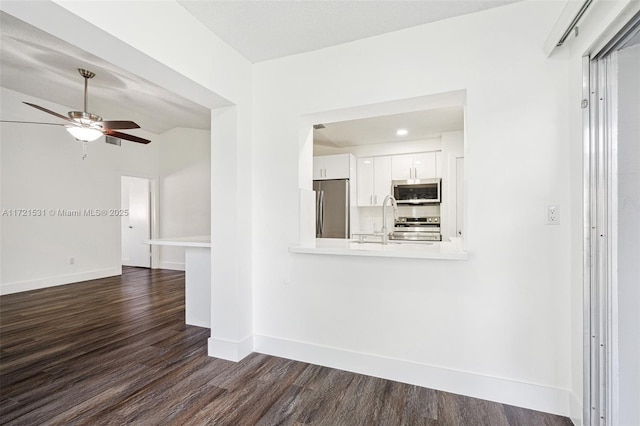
42 168
496 326
185 189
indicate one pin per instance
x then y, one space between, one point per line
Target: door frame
154 226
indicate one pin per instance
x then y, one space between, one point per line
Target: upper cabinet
439 164
374 180
402 167
414 166
332 167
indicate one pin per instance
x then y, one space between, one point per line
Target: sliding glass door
612 252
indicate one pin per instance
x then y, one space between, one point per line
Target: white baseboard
174 266
511 392
17 287
575 409
229 349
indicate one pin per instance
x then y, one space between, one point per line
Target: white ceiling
420 125
261 30
37 64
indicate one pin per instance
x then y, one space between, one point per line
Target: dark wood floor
117 351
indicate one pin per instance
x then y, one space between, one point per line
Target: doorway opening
136 205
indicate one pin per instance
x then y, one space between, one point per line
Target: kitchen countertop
445 250
190 241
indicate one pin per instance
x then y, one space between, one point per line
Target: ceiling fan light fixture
87 127
85 134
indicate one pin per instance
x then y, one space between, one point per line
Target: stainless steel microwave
417 191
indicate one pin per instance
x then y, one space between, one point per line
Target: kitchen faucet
385 234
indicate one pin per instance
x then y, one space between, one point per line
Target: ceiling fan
87 127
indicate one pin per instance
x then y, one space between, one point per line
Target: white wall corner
16 287
231 350
521 394
575 409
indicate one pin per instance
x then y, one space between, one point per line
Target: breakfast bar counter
443 250
197 262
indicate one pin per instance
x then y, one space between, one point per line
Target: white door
136 226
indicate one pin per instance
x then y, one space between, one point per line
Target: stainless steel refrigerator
332 208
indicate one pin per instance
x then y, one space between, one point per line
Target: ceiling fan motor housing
85 118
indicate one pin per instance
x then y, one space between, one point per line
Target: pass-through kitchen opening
391 179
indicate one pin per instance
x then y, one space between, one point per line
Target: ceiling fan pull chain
84 149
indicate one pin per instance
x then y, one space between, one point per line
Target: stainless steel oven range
417 229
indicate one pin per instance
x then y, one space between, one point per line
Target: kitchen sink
424 243
376 238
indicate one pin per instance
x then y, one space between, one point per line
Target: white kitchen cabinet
332 167
402 167
382 179
374 180
439 164
424 165
414 166
366 175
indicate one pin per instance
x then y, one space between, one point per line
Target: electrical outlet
553 215
72 260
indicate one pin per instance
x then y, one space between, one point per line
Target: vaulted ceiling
263 30
37 64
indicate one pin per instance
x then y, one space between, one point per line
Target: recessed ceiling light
402 132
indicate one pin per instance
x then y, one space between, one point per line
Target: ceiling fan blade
126 136
48 111
117 124
31 122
